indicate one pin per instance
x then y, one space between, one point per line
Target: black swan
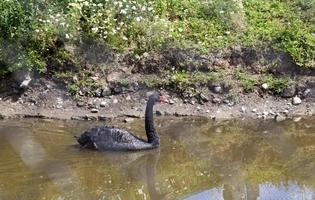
111 138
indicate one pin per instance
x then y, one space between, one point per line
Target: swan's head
157 98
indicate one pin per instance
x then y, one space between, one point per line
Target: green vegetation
278 84
247 81
35 35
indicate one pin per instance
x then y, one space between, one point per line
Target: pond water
198 160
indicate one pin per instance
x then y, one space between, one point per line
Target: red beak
163 99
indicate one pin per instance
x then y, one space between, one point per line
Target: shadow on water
198 159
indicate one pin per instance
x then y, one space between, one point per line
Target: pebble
306 93
171 101
94 110
296 100
80 104
265 86
198 108
218 89
103 104
207 111
204 97
216 100
243 109
127 120
279 117
254 110
158 113
115 101
265 113
286 111
297 119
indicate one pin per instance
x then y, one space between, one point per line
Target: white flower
138 19
67 36
94 29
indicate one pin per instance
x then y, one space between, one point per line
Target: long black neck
153 137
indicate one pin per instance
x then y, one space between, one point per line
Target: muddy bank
234 83
49 100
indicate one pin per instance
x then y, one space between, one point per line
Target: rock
98 92
285 111
115 101
296 100
218 89
192 102
75 78
243 109
265 113
171 101
80 104
306 93
27 79
128 97
207 111
216 100
198 108
127 120
289 92
265 86
254 110
159 113
279 117
103 118
103 103
297 119
204 98
94 110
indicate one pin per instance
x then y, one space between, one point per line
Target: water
198 160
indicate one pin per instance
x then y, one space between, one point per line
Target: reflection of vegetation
211 155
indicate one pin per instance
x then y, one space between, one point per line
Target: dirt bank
227 84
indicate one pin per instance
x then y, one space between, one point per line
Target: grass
278 84
33 35
247 81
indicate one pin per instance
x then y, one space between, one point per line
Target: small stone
296 100
159 113
98 92
103 103
289 91
103 118
297 119
204 98
279 117
265 113
171 101
115 101
306 93
127 120
198 108
207 111
254 110
192 102
128 97
216 100
217 89
243 109
265 86
94 110
285 111
75 78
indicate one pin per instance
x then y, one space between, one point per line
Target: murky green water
198 160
